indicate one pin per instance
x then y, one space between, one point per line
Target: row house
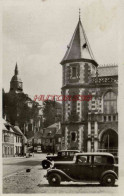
7 139
20 142
14 143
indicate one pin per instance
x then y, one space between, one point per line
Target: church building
19 109
88 125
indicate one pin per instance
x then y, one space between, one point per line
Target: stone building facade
90 123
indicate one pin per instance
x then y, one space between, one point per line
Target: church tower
78 66
16 82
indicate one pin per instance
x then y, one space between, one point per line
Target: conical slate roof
79 46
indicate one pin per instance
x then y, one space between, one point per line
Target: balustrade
103 117
108 79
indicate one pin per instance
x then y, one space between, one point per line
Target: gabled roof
111 70
55 125
52 130
79 46
108 71
17 130
30 135
49 134
38 134
6 126
5 122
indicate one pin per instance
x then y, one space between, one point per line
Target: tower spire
79 47
16 82
16 69
79 14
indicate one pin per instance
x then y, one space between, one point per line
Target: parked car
63 155
88 167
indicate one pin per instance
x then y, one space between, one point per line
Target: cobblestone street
33 182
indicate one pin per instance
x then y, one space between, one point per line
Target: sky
36 35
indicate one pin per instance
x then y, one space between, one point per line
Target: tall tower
16 82
78 65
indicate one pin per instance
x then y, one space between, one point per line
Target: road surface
16 164
17 180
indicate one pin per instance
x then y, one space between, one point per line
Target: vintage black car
85 167
63 155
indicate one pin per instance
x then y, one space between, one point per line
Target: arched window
73 136
110 103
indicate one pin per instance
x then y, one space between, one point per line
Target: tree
49 113
17 110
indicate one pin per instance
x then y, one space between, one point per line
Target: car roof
95 153
69 151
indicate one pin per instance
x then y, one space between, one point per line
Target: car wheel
45 165
108 180
54 179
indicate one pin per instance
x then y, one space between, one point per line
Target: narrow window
109 118
73 136
74 72
114 118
